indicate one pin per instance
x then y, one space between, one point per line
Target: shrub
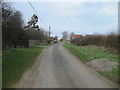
108 41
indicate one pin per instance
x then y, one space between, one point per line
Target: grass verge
87 54
15 62
112 75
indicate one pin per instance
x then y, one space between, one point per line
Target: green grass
47 44
87 54
15 62
111 75
103 48
43 44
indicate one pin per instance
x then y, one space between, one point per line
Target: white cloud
109 10
67 9
65 18
74 17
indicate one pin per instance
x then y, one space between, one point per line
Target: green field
87 54
15 62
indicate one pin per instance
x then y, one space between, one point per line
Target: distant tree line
108 41
13 28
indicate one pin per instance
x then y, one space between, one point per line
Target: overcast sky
77 17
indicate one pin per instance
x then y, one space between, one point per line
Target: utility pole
49 35
49 31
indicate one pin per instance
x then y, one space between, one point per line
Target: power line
37 14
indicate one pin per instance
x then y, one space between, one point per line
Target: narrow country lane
60 69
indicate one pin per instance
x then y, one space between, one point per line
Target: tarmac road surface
58 68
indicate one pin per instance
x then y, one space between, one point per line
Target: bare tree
33 34
65 34
12 25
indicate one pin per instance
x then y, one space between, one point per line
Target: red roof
77 35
